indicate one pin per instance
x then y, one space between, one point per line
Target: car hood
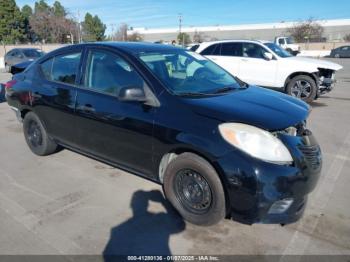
318 63
255 106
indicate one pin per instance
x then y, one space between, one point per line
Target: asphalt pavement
67 203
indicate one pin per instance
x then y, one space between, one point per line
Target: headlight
256 142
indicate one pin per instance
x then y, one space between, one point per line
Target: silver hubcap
301 89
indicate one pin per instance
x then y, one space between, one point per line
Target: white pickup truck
266 64
287 44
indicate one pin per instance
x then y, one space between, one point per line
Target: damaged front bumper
326 81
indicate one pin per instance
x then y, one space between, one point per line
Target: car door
255 69
54 92
230 54
116 131
345 51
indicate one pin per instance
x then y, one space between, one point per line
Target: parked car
341 52
287 44
20 55
220 148
266 64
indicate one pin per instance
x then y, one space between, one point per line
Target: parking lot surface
70 204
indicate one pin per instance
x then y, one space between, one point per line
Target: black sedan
219 147
341 52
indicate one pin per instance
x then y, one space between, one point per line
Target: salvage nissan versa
220 148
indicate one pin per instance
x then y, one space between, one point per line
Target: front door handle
244 60
87 108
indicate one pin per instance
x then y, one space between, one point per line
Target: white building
335 30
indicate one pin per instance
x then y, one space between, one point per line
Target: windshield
34 53
289 40
278 50
188 73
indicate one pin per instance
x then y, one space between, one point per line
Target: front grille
312 155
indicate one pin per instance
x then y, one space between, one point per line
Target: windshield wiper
191 94
224 90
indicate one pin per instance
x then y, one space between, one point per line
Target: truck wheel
303 87
36 136
289 51
194 188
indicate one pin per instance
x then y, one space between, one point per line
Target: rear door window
231 49
63 68
212 50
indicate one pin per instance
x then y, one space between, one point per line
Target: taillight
10 84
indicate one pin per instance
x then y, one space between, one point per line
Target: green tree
11 22
183 38
27 13
93 28
41 6
59 10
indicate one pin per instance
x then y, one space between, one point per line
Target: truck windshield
278 50
187 73
289 40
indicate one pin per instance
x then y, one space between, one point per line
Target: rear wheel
303 87
36 136
337 56
194 188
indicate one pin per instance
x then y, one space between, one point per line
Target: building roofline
280 25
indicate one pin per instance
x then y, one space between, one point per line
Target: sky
164 13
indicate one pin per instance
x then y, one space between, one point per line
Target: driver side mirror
268 56
132 94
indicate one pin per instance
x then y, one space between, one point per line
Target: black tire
194 188
337 56
303 87
289 51
36 136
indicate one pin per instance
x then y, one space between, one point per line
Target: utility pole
180 29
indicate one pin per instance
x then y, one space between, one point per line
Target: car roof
133 47
204 45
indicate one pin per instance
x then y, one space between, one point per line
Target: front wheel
36 136
194 188
303 87
337 56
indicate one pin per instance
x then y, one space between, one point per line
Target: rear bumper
256 188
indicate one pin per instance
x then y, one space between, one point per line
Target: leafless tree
347 38
198 37
135 37
307 31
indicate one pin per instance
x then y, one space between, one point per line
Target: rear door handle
87 108
244 60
